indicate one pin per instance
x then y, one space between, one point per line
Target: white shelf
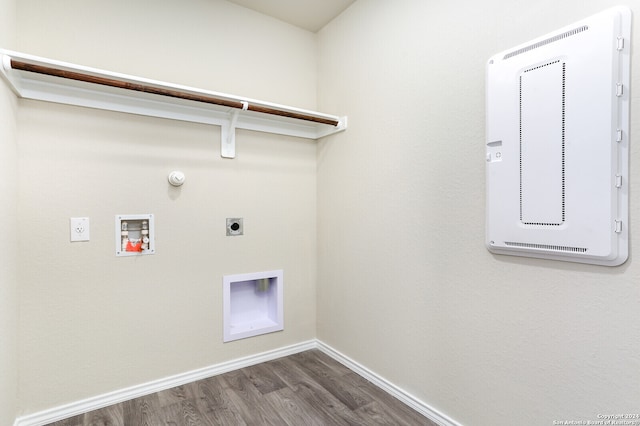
33 77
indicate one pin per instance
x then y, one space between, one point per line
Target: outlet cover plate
79 229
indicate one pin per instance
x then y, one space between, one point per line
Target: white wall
8 224
92 323
405 285
209 44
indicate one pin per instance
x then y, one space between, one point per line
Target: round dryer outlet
234 226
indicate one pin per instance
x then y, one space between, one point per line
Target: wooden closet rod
88 78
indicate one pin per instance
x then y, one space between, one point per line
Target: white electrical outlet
79 228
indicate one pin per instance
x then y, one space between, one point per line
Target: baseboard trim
69 410
403 396
94 403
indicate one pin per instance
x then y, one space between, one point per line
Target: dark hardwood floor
309 388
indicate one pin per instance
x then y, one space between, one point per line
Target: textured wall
93 323
405 285
209 44
8 224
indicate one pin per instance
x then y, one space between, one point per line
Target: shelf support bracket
228 133
228 136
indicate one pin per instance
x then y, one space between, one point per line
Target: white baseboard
405 397
69 410
94 403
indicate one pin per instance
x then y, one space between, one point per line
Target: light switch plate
79 228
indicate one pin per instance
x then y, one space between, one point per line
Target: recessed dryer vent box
557 167
135 235
252 304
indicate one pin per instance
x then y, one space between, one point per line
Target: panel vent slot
547 247
542 144
546 41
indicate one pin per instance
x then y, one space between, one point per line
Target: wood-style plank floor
309 388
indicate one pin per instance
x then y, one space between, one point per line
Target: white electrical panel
557 167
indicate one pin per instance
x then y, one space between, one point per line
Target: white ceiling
311 15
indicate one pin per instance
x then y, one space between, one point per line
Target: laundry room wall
8 222
91 322
405 285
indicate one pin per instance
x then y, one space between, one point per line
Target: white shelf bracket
228 133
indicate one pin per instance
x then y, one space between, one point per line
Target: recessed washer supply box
557 143
135 234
